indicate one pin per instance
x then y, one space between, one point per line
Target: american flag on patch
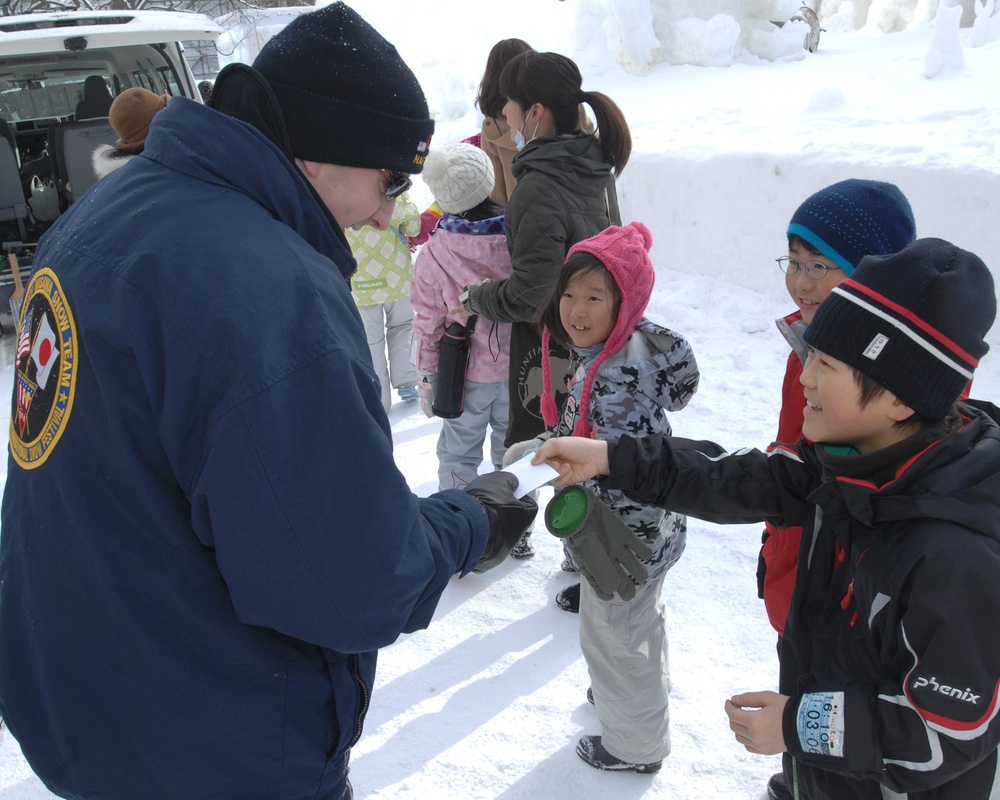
422 147
25 394
24 337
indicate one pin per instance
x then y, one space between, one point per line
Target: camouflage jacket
654 373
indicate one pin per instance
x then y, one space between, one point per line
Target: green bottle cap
567 510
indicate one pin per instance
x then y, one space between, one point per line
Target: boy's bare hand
574 458
755 718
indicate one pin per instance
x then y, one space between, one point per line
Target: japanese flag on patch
44 352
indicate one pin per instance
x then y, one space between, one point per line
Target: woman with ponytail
565 193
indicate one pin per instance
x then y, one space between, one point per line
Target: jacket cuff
473 510
470 302
623 455
813 726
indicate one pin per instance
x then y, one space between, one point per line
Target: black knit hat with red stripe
914 322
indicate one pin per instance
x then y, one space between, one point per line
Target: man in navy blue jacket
205 538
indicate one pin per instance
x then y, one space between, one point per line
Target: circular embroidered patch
45 371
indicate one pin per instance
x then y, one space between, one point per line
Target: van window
143 79
169 78
43 99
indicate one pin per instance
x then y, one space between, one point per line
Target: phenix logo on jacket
965 695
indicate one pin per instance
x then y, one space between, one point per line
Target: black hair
797 242
870 390
485 209
581 263
490 100
555 81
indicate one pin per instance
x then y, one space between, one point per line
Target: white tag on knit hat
875 346
529 477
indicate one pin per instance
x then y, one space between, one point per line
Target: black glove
509 517
603 546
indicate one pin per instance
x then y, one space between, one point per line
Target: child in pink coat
468 246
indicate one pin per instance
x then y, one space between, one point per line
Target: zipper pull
848 597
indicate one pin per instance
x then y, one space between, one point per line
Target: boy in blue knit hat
828 236
890 662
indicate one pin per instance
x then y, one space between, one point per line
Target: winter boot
569 599
408 393
777 789
590 749
523 549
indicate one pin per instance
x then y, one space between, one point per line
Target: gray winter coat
565 193
654 373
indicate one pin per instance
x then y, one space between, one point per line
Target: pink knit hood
624 251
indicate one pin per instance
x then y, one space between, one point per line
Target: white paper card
530 477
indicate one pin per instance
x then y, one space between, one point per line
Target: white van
58 74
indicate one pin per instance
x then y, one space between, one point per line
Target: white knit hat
460 176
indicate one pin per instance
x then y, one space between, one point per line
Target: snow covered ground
489 701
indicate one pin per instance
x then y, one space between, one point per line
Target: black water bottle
453 361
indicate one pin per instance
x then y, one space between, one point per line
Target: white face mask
519 141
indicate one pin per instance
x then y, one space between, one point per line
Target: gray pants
625 646
460 445
390 323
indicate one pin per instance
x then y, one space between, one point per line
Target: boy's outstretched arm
686 476
755 718
575 458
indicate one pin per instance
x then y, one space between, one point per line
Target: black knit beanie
346 95
914 322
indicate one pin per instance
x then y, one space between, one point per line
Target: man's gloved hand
519 450
603 546
509 517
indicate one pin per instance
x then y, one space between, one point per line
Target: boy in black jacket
890 663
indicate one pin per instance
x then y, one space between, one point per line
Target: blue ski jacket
205 538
